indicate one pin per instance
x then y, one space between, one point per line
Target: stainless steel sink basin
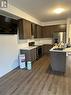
58 48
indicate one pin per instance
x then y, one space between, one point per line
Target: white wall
8 53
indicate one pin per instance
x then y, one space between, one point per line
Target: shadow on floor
50 71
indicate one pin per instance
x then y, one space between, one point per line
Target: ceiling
43 9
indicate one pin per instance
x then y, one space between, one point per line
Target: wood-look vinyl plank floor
41 80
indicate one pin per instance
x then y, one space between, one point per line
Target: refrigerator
59 37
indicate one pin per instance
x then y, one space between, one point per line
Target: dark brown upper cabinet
36 30
28 30
39 31
24 29
47 31
33 30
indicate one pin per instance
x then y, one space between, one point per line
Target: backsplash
40 41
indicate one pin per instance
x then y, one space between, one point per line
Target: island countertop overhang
64 50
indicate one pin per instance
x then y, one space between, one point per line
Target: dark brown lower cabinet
30 54
36 53
46 49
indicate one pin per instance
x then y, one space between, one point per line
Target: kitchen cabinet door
36 30
33 54
21 29
46 49
39 31
58 61
24 29
47 31
30 54
33 30
27 29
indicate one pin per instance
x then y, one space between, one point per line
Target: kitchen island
59 58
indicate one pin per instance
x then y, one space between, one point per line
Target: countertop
64 50
29 47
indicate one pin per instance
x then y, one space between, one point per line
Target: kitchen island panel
58 61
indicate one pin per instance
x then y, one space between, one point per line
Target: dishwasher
39 52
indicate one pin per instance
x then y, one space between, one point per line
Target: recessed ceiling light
59 10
